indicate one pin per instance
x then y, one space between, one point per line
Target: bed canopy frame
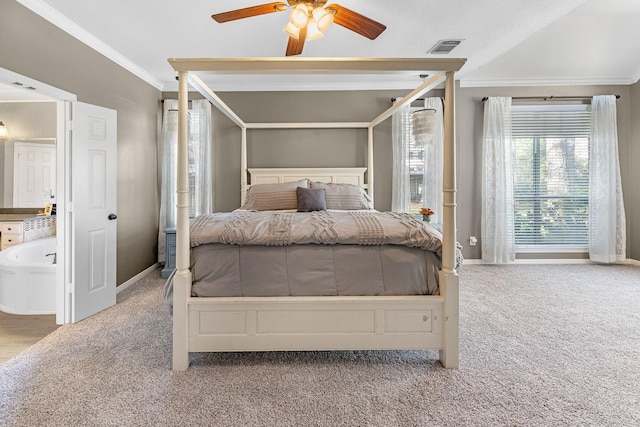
194 318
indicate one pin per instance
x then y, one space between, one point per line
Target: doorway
31 117
99 141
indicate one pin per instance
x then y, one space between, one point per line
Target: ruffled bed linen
275 228
245 253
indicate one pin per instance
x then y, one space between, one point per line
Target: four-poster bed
206 324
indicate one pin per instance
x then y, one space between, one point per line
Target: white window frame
520 248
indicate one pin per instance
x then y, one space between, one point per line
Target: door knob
112 216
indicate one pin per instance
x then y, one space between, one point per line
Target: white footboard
313 323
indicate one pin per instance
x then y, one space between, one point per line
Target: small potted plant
426 214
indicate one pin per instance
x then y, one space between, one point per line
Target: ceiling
506 42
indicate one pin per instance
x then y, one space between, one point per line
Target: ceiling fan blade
355 22
248 12
294 47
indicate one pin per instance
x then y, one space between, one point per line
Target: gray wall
31 46
303 148
29 119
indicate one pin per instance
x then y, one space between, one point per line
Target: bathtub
28 278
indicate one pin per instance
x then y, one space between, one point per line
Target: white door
35 177
93 210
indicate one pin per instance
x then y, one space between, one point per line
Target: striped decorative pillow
344 196
274 197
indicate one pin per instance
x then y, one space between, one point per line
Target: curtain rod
548 98
417 99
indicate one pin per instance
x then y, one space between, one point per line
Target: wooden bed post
449 280
182 278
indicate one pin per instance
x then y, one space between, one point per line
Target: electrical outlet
473 240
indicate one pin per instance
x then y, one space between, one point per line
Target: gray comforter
246 253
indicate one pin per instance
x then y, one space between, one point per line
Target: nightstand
170 252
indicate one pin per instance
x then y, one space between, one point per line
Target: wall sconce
4 132
423 123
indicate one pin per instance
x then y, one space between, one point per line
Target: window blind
551 174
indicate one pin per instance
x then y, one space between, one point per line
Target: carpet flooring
541 345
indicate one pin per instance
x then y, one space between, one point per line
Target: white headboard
279 175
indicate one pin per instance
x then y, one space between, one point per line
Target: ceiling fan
308 20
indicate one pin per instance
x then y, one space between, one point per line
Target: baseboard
548 261
554 261
532 261
472 262
135 278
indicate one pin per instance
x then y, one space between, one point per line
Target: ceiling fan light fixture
313 32
299 15
292 31
323 18
307 20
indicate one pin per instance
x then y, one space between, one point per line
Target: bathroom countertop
16 217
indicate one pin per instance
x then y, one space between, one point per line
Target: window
551 177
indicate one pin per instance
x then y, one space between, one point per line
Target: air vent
443 47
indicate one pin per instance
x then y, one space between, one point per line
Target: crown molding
56 18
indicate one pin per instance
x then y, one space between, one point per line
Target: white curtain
432 196
200 160
400 140
167 153
498 237
607 228
201 144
